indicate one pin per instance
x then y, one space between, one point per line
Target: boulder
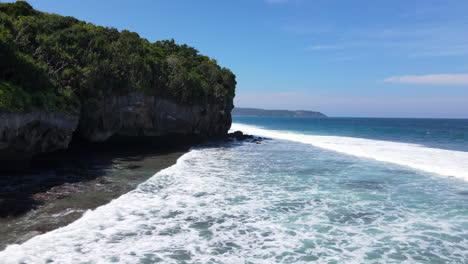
238 135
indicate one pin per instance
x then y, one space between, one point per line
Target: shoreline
62 186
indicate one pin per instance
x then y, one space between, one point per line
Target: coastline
61 187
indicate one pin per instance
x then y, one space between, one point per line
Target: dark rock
140 115
125 118
238 135
57 192
102 180
25 135
257 141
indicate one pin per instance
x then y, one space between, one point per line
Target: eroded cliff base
132 120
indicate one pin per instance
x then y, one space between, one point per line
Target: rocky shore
60 187
85 123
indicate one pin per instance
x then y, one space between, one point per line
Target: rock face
121 88
135 115
25 135
140 115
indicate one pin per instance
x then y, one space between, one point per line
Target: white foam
131 229
222 205
440 161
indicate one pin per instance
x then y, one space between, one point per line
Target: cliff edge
63 79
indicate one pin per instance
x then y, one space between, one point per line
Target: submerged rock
58 192
257 140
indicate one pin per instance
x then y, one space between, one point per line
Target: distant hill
262 112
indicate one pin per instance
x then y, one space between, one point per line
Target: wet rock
239 136
102 180
257 140
57 192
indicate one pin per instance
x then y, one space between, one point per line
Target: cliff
137 115
262 112
63 79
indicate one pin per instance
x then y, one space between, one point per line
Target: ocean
324 190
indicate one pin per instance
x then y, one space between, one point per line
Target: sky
371 58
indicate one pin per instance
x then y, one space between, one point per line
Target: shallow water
275 202
45 199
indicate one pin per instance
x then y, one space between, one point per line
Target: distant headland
262 112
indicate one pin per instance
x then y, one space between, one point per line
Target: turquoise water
283 201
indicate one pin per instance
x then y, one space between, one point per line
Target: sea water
316 190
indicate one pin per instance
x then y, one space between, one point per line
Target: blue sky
377 58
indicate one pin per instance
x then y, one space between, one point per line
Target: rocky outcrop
119 85
28 134
240 136
135 115
140 115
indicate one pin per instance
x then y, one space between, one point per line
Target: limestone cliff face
140 115
28 134
114 83
134 115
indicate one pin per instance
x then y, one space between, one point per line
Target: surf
433 160
275 202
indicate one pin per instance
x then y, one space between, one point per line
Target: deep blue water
449 134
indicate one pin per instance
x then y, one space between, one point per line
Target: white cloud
442 79
420 40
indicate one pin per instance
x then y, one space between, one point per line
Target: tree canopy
52 62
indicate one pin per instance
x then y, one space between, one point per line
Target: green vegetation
53 62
